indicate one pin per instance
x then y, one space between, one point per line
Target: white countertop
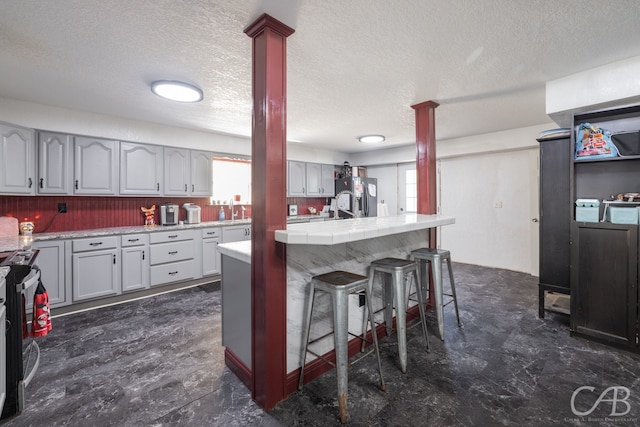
239 250
13 243
351 230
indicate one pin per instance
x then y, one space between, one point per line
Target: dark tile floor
158 362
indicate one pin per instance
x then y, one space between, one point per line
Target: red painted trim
268 257
236 365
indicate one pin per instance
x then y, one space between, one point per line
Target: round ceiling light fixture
177 91
371 138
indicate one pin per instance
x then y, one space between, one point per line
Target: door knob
534 220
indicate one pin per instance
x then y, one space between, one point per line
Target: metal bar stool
435 258
339 284
397 271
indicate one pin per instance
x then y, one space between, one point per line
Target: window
231 180
411 195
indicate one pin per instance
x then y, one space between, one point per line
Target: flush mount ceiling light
177 91
371 138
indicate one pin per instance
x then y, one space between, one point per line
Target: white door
493 198
407 190
201 173
135 268
140 169
17 160
176 171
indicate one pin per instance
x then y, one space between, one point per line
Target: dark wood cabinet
604 277
555 216
604 256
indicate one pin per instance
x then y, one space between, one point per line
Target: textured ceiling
354 67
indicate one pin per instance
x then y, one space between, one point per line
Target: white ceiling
353 66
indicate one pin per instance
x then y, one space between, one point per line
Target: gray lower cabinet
236 313
236 233
172 256
211 263
53 264
95 268
135 262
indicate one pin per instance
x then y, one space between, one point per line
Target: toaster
193 213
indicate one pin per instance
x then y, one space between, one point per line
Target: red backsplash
97 212
85 213
306 202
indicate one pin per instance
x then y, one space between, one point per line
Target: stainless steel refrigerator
365 189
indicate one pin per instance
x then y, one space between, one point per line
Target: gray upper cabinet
296 178
96 166
187 172
141 167
309 179
176 171
201 173
314 180
55 171
328 182
17 160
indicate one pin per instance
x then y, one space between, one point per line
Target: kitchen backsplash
306 202
99 212
85 213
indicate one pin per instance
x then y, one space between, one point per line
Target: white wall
55 119
387 176
473 173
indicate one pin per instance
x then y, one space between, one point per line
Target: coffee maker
169 214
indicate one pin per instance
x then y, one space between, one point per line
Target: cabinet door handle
41 182
173 273
133 240
173 236
114 258
173 252
185 188
96 244
157 186
193 188
142 254
76 184
30 182
211 233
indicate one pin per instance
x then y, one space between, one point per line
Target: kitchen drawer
172 236
95 243
173 272
208 233
171 252
134 240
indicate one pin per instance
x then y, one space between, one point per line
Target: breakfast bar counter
317 248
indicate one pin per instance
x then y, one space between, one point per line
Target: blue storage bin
622 215
587 210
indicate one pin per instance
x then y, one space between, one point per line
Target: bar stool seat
339 285
397 271
435 258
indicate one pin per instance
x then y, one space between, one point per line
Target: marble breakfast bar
312 249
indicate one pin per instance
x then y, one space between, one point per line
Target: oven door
3 337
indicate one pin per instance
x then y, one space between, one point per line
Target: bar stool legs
398 271
435 258
339 285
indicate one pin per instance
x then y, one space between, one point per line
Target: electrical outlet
62 208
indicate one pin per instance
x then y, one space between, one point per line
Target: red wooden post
268 194
426 161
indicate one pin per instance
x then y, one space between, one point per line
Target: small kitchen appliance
193 213
169 214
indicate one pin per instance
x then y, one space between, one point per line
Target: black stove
21 273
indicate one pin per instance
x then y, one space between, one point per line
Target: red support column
268 194
426 161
